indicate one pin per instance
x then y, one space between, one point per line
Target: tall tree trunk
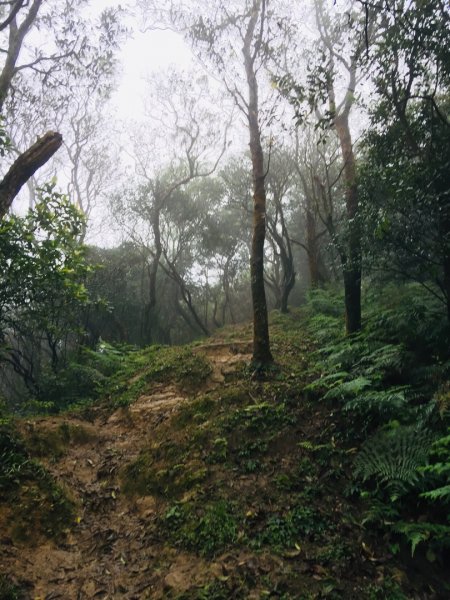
444 234
150 308
226 290
351 260
447 285
311 244
287 263
288 284
261 343
186 295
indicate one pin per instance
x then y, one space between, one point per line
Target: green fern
439 472
416 533
328 382
380 513
388 357
387 403
348 388
394 457
442 494
346 354
326 302
324 328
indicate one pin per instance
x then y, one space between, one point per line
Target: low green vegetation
179 365
208 529
341 456
35 505
53 442
390 384
335 468
8 590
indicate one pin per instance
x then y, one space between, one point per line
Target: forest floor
223 488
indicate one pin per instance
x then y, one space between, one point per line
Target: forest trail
110 552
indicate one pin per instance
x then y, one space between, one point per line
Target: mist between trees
308 146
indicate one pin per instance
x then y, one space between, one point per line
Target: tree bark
261 343
287 265
16 36
186 295
25 166
351 260
150 312
311 243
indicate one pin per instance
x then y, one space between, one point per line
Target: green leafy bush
437 474
391 383
39 505
75 384
179 365
208 530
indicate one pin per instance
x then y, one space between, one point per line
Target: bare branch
25 166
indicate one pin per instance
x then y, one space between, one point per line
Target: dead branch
25 167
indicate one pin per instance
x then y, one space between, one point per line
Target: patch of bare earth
110 550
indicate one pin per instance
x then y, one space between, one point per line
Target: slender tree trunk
214 314
444 227
287 265
351 260
17 35
288 284
150 309
447 286
261 343
226 290
311 244
186 295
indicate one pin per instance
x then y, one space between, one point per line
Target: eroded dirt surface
109 552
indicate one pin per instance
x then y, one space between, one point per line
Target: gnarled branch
25 167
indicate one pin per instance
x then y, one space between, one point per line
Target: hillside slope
193 481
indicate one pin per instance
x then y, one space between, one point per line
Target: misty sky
143 53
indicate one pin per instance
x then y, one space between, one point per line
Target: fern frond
439 472
442 493
327 382
325 328
394 457
386 403
389 357
348 388
416 533
346 354
380 512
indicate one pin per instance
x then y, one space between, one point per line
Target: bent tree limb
25 167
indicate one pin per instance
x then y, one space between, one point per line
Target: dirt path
109 552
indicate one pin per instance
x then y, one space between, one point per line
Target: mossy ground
233 489
167 364
33 505
259 468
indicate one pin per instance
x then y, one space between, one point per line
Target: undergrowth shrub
208 530
81 381
8 590
288 530
175 364
393 458
39 506
391 382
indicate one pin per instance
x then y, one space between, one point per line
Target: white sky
144 53
141 54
